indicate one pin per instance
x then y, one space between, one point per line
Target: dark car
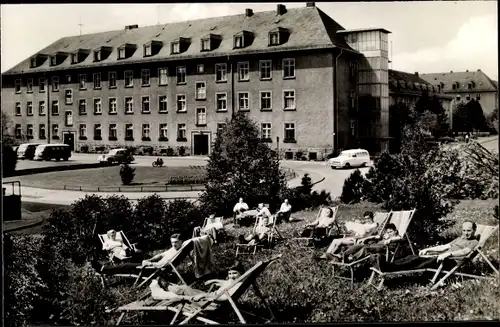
116 155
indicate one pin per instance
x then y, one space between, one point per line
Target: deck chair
273 235
401 219
200 312
216 222
381 218
484 232
306 241
120 236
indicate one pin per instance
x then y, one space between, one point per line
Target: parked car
350 158
116 155
27 150
52 151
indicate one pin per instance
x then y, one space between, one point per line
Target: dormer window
238 41
278 36
79 55
147 50
74 58
274 38
37 60
126 50
180 45
152 48
97 55
210 42
205 45
33 62
121 53
53 60
102 53
242 39
176 47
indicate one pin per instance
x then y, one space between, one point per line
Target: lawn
107 178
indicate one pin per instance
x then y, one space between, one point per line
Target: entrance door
200 145
69 139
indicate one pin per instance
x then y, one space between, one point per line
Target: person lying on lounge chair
119 249
259 233
157 261
161 290
431 257
318 228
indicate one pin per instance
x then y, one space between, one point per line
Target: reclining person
431 257
318 228
259 234
158 261
161 290
285 212
119 249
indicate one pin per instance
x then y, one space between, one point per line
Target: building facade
297 73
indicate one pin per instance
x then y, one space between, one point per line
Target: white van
27 150
52 151
350 158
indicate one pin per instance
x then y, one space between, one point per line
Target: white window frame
148 50
18 109
217 101
146 97
112 105
98 127
291 60
277 35
201 112
200 69
146 130
80 102
111 77
176 47
222 67
160 76
270 100
131 105
68 122
41 81
177 102
113 129
160 101
236 45
204 89
55 130
70 99
294 100
82 81
267 129
18 85
248 101
29 130
122 53
179 72
145 74
294 130
29 108
55 83
54 103
96 79
205 45
163 130
29 85
97 103
179 129
41 108
241 67
18 131
129 127
261 64
82 130
128 75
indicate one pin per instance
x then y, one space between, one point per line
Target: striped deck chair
120 236
202 311
273 235
401 219
306 241
381 218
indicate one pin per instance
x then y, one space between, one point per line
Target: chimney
416 73
310 4
451 71
280 9
479 70
467 71
248 12
131 27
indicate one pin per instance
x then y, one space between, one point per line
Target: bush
353 189
170 152
84 148
181 150
150 225
9 160
127 174
183 216
148 150
131 149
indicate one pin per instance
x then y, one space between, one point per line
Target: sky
427 37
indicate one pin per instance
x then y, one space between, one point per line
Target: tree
469 117
7 136
492 121
127 174
9 160
240 165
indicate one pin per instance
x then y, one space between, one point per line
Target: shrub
183 216
170 152
148 150
181 150
150 225
353 189
84 148
127 174
9 160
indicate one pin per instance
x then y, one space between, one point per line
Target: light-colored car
116 155
350 158
27 150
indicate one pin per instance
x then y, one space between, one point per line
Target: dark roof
481 80
309 27
364 30
412 84
495 83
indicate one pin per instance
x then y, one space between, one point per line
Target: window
129 105
458 97
82 106
41 108
55 83
74 58
181 132
29 108
69 118
243 101
201 116
162 76
97 132
266 100
205 45
274 38
145 104
243 71
41 84
112 79
129 132
265 131
112 132
82 81
221 101
163 132
201 90
121 53
112 106
221 72
18 86
265 69
55 108
147 50
83 131
129 78
220 127
290 131
97 55
181 75
478 97
29 131
238 41
200 69
176 47
97 80
68 96
29 85
181 103
68 78
97 107
55 131
41 132
162 99
145 131
18 131
467 97
18 109
145 77
288 68
289 100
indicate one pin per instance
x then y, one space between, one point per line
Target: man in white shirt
158 261
263 211
240 207
318 227
284 212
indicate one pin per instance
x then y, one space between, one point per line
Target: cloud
475 46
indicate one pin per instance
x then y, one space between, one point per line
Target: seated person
160 290
431 257
263 211
240 207
284 212
259 233
119 249
319 226
158 261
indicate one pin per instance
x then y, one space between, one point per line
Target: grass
106 177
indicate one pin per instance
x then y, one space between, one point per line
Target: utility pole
80 25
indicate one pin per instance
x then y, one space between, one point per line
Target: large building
298 74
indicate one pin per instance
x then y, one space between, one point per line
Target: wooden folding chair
306 241
215 222
273 235
120 236
401 219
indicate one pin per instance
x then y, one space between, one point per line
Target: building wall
488 100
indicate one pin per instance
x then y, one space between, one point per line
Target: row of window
243 68
243 103
456 85
266 128
468 97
